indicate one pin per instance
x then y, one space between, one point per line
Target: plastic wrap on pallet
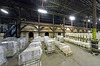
60 38
35 44
32 63
10 39
3 60
50 45
84 44
11 46
65 48
34 40
23 42
30 54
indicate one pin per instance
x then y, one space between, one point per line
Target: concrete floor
80 57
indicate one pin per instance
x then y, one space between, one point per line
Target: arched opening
46 34
59 33
31 35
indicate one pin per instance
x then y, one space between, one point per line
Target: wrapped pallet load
31 57
66 49
60 38
49 46
23 42
63 47
11 46
3 60
35 44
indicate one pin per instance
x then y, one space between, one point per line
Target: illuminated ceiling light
68 29
99 19
42 11
89 20
72 18
96 23
4 11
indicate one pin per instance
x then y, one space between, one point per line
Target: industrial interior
49 33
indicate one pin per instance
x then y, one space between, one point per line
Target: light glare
99 19
68 29
42 11
4 11
89 20
72 18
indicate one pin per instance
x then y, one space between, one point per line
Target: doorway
31 35
46 34
59 33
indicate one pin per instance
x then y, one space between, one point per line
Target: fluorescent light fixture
89 20
72 18
4 11
42 11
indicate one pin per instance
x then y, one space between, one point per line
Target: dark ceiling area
81 9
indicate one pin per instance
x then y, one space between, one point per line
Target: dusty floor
80 57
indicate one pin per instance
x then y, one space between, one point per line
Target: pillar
94 19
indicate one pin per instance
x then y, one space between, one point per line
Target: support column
18 24
71 23
94 19
53 28
64 27
38 24
86 24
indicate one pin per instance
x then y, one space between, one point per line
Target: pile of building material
22 42
64 48
3 60
49 45
84 37
60 38
79 43
35 44
11 46
31 56
36 39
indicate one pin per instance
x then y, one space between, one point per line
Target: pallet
50 52
68 53
31 63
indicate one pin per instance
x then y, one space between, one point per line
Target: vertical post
94 19
18 24
86 24
64 27
71 22
83 24
53 28
38 24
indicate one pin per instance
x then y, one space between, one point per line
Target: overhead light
99 19
96 23
68 29
42 11
89 20
4 11
72 18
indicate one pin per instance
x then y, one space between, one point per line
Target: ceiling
81 9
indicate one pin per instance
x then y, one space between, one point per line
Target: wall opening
46 34
59 33
31 35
